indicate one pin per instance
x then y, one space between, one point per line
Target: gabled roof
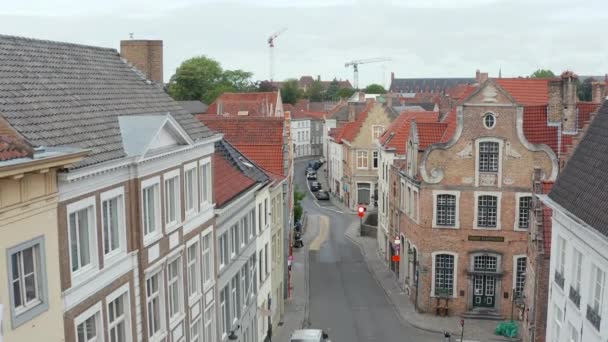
307 115
526 91
259 138
143 133
396 135
233 173
254 104
426 84
351 129
582 186
61 94
13 148
429 133
194 107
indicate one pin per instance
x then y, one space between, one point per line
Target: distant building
263 104
306 81
194 107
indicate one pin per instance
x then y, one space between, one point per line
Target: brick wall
146 56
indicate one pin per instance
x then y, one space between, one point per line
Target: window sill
194 298
172 226
521 229
152 238
173 322
486 228
446 227
159 336
83 275
113 257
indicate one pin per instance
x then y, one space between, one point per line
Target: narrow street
344 298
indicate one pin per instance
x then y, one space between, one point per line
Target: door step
483 314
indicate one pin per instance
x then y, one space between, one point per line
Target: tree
584 89
202 78
264 86
374 89
290 91
345 93
315 91
332 91
542 73
298 196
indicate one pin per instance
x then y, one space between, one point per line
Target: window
195 330
253 271
446 210
266 268
154 304
193 270
208 257
377 131
225 311
27 278
260 213
575 285
88 329
265 211
245 230
244 289
573 333
594 311
557 324
489 120
252 220
151 214
113 223
118 318
487 209
190 190
444 275
375 159
260 267
234 240
205 183
174 281
362 160
82 237
561 255
523 221
236 303
224 257
488 156
363 193
209 325
172 201
520 277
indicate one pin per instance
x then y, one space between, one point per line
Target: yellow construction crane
356 63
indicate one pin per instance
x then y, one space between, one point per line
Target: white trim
192 299
515 258
151 238
498 196
500 155
88 313
191 212
366 167
483 119
84 272
123 290
519 195
455 272
212 243
113 256
378 158
456 212
162 332
173 225
202 162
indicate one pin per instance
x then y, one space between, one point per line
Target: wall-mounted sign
486 238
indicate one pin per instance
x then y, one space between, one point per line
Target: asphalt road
345 300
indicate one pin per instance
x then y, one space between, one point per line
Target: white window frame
573 335
208 234
195 296
234 240
494 117
518 196
376 158
209 323
498 196
93 311
577 270
84 272
112 256
191 167
199 327
152 237
180 314
515 259
235 302
171 226
560 260
224 261
161 333
363 156
500 156
592 291
455 281
374 136
121 291
456 211
207 182
225 311
558 320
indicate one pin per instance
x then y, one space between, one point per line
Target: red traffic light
361 211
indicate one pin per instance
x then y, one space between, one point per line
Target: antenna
131 35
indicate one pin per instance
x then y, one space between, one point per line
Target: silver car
309 335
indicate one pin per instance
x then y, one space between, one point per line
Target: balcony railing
574 296
594 317
559 279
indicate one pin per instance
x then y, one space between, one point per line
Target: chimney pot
146 56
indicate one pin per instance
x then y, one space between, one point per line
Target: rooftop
250 104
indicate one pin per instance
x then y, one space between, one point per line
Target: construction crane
356 63
271 40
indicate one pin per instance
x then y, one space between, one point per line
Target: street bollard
447 337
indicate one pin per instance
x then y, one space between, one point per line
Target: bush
298 196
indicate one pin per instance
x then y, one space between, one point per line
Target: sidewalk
322 178
474 330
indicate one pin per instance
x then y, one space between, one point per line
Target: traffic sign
361 211
396 258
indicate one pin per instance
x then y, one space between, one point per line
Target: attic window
489 121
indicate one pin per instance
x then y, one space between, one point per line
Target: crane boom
271 46
355 65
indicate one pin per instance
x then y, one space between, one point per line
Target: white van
309 335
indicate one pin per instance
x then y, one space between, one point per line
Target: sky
423 38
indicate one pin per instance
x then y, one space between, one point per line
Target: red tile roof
259 138
256 104
536 129
351 129
584 112
228 181
450 121
396 134
305 114
429 133
526 91
13 148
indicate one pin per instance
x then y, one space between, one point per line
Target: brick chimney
554 108
481 77
146 56
598 92
569 99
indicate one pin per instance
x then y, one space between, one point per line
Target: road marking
323 222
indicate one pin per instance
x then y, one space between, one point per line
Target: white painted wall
327 125
301 135
262 200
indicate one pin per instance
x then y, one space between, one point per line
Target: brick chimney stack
481 77
146 56
598 92
569 99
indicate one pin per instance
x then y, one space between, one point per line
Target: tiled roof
259 138
255 104
233 173
526 91
416 85
351 129
429 133
13 148
450 129
581 188
395 136
60 94
584 112
194 107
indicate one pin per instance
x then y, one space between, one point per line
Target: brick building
465 192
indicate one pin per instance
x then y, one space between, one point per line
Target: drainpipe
416 280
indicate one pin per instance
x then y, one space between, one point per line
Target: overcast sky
424 38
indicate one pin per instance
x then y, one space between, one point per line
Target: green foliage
374 89
290 91
332 91
345 93
584 89
315 92
202 78
298 196
265 86
542 73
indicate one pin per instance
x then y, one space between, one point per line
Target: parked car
315 186
311 175
298 226
322 195
309 335
309 169
315 164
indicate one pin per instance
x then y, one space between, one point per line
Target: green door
484 290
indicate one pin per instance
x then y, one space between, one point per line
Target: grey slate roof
582 187
426 84
194 107
246 166
61 94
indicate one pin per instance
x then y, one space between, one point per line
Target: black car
322 195
315 186
311 175
315 164
309 169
